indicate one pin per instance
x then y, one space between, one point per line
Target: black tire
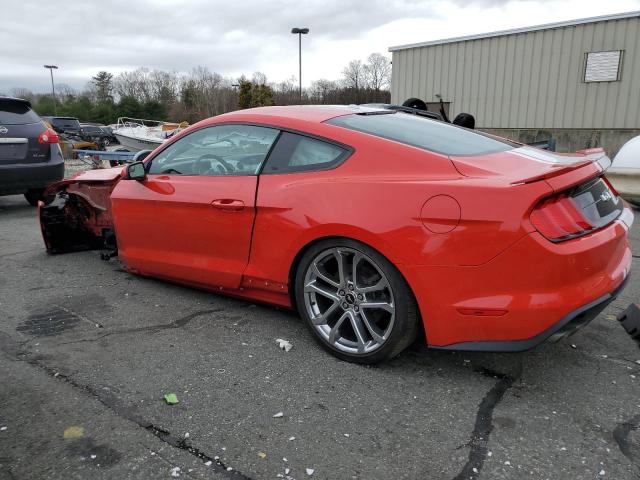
34 195
415 103
406 324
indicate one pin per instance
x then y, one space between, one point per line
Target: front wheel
355 302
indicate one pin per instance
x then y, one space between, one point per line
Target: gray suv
30 157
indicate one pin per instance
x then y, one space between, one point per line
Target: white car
624 172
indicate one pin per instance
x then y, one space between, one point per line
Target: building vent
602 66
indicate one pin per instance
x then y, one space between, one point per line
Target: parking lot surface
88 352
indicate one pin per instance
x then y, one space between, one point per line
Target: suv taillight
558 218
49 136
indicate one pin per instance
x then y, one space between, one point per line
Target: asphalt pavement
88 351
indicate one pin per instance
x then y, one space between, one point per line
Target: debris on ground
284 344
175 472
73 432
291 439
262 455
208 463
171 398
310 471
279 415
2 429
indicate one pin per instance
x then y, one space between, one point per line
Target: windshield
423 133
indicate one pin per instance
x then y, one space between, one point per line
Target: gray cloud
83 37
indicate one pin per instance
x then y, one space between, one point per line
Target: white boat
137 134
624 172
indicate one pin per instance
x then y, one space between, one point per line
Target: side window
297 153
216 151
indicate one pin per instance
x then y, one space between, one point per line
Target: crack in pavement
483 427
621 436
114 404
181 322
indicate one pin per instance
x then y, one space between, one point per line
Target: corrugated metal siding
528 80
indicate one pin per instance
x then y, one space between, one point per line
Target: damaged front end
78 217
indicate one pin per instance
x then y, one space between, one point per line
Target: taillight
558 218
49 136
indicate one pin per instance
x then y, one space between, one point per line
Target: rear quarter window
16 113
423 133
299 153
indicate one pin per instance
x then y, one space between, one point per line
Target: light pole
53 88
300 32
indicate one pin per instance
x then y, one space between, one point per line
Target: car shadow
13 204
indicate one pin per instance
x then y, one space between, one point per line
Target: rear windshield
423 133
62 122
16 113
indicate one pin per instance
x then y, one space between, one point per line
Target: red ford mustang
376 226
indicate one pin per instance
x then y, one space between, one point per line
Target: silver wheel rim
349 300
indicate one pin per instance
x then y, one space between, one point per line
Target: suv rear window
16 113
423 133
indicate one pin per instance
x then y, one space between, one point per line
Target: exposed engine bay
78 215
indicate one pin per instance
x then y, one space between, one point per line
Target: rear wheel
355 302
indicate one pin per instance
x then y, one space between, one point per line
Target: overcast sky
243 36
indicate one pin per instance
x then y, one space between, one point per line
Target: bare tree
20 92
354 75
259 78
133 84
324 91
378 71
286 92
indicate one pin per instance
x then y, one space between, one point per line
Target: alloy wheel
349 300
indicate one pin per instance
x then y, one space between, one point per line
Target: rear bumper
565 327
20 177
530 292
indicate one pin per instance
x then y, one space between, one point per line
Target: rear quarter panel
376 197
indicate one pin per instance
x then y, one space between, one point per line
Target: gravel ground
88 352
75 165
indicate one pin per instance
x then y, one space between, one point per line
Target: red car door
191 218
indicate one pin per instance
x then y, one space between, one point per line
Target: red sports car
377 226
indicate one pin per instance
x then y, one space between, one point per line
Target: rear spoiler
598 156
593 155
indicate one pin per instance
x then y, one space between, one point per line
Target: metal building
576 81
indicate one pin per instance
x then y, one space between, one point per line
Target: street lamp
300 32
53 88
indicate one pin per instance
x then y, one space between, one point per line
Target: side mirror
136 171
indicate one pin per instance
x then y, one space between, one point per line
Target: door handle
228 205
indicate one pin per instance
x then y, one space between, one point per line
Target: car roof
309 113
17 100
